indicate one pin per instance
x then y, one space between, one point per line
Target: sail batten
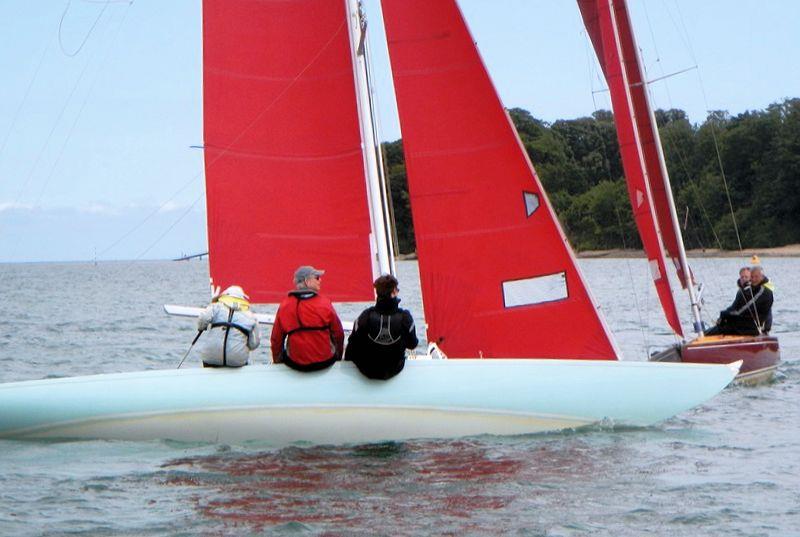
285 179
608 26
498 277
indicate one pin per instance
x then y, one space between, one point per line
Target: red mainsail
498 277
648 135
285 182
616 51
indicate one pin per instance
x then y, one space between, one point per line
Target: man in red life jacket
307 334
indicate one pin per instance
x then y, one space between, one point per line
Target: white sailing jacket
232 334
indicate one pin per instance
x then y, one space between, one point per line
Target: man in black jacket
382 333
762 298
751 311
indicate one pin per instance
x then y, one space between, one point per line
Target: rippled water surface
730 467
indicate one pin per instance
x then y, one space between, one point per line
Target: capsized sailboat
292 178
609 27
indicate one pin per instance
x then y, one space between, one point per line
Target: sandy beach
790 250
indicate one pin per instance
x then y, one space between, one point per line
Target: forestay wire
690 49
682 158
222 153
61 115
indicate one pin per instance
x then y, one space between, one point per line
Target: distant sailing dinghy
609 27
292 171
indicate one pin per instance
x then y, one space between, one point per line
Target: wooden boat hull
760 355
429 399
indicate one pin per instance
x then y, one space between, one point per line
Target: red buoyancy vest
311 326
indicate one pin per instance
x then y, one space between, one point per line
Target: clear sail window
536 290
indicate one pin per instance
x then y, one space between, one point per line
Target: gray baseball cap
305 272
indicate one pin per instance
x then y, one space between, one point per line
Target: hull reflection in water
453 487
429 399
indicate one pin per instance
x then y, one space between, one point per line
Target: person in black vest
382 333
762 298
751 311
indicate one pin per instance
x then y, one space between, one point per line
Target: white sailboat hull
429 399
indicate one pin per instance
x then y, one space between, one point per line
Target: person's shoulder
248 314
322 299
405 312
286 299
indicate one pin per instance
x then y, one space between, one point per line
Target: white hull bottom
757 376
322 425
429 399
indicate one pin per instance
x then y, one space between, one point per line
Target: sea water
730 467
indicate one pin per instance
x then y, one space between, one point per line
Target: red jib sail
498 277
285 181
637 141
648 135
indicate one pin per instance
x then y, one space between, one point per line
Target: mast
377 196
657 248
684 262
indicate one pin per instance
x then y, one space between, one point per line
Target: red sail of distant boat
498 276
648 136
646 183
285 179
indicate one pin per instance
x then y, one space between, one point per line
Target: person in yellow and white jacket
232 330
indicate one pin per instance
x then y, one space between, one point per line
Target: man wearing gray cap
307 334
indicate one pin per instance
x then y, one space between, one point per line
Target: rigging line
381 153
175 223
151 214
681 155
695 228
630 276
670 75
713 129
82 107
657 79
699 264
74 123
591 67
225 150
88 34
724 178
685 35
52 131
699 200
24 98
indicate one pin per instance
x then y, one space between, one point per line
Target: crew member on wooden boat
232 330
751 311
307 334
382 333
761 286
744 278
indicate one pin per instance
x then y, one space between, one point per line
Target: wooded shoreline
753 206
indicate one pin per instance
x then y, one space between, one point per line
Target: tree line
757 153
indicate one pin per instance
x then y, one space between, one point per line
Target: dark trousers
315 366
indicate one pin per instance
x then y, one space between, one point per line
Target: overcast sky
101 102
